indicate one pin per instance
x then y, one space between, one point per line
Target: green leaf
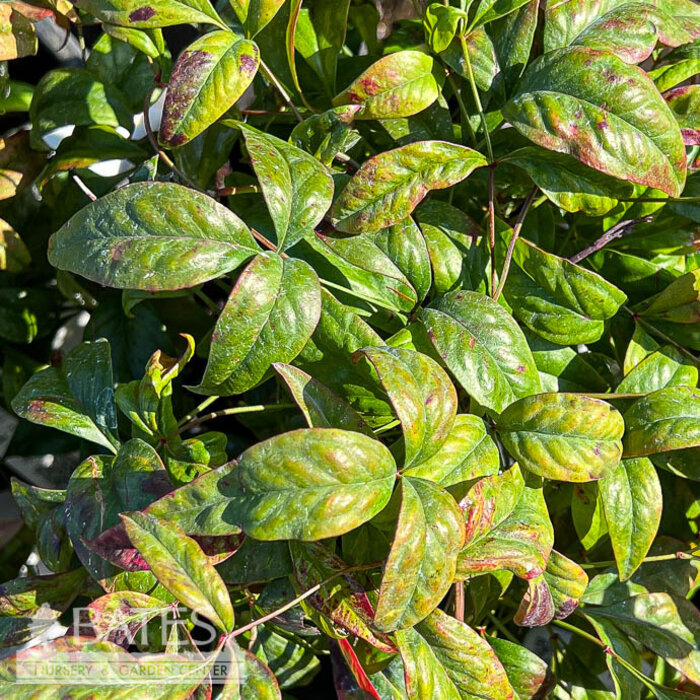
74 96
77 397
576 100
102 487
208 78
569 183
469 452
423 557
327 134
271 313
441 25
297 188
257 562
483 348
399 85
30 605
588 515
508 528
658 370
526 671
255 15
422 396
447 660
181 566
312 484
665 624
321 407
359 265
563 436
155 13
320 36
684 102
490 10
678 303
632 501
389 186
153 236
668 419
560 301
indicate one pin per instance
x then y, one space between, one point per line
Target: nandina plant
362 350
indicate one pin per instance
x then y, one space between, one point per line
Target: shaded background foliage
434 265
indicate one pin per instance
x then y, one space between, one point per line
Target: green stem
611 397
241 189
492 228
511 246
272 79
462 109
198 409
475 92
234 411
502 629
690 554
209 303
386 427
660 334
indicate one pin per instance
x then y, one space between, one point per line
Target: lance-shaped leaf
312 484
152 13
423 557
208 78
422 396
469 452
490 10
536 608
389 186
102 487
271 313
360 265
632 502
76 397
255 15
398 85
117 617
678 303
569 183
30 605
321 407
248 677
576 101
526 671
153 236
447 660
298 189
343 599
563 436
483 347
507 528
665 420
561 302
181 566
667 625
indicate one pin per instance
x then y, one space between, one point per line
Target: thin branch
475 93
661 557
299 598
241 189
619 230
234 411
84 188
459 600
511 246
198 409
660 334
492 227
462 109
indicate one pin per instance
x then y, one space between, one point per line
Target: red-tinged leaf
685 103
348 674
180 565
567 582
537 607
343 600
248 677
576 101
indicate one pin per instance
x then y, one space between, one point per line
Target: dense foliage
377 350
